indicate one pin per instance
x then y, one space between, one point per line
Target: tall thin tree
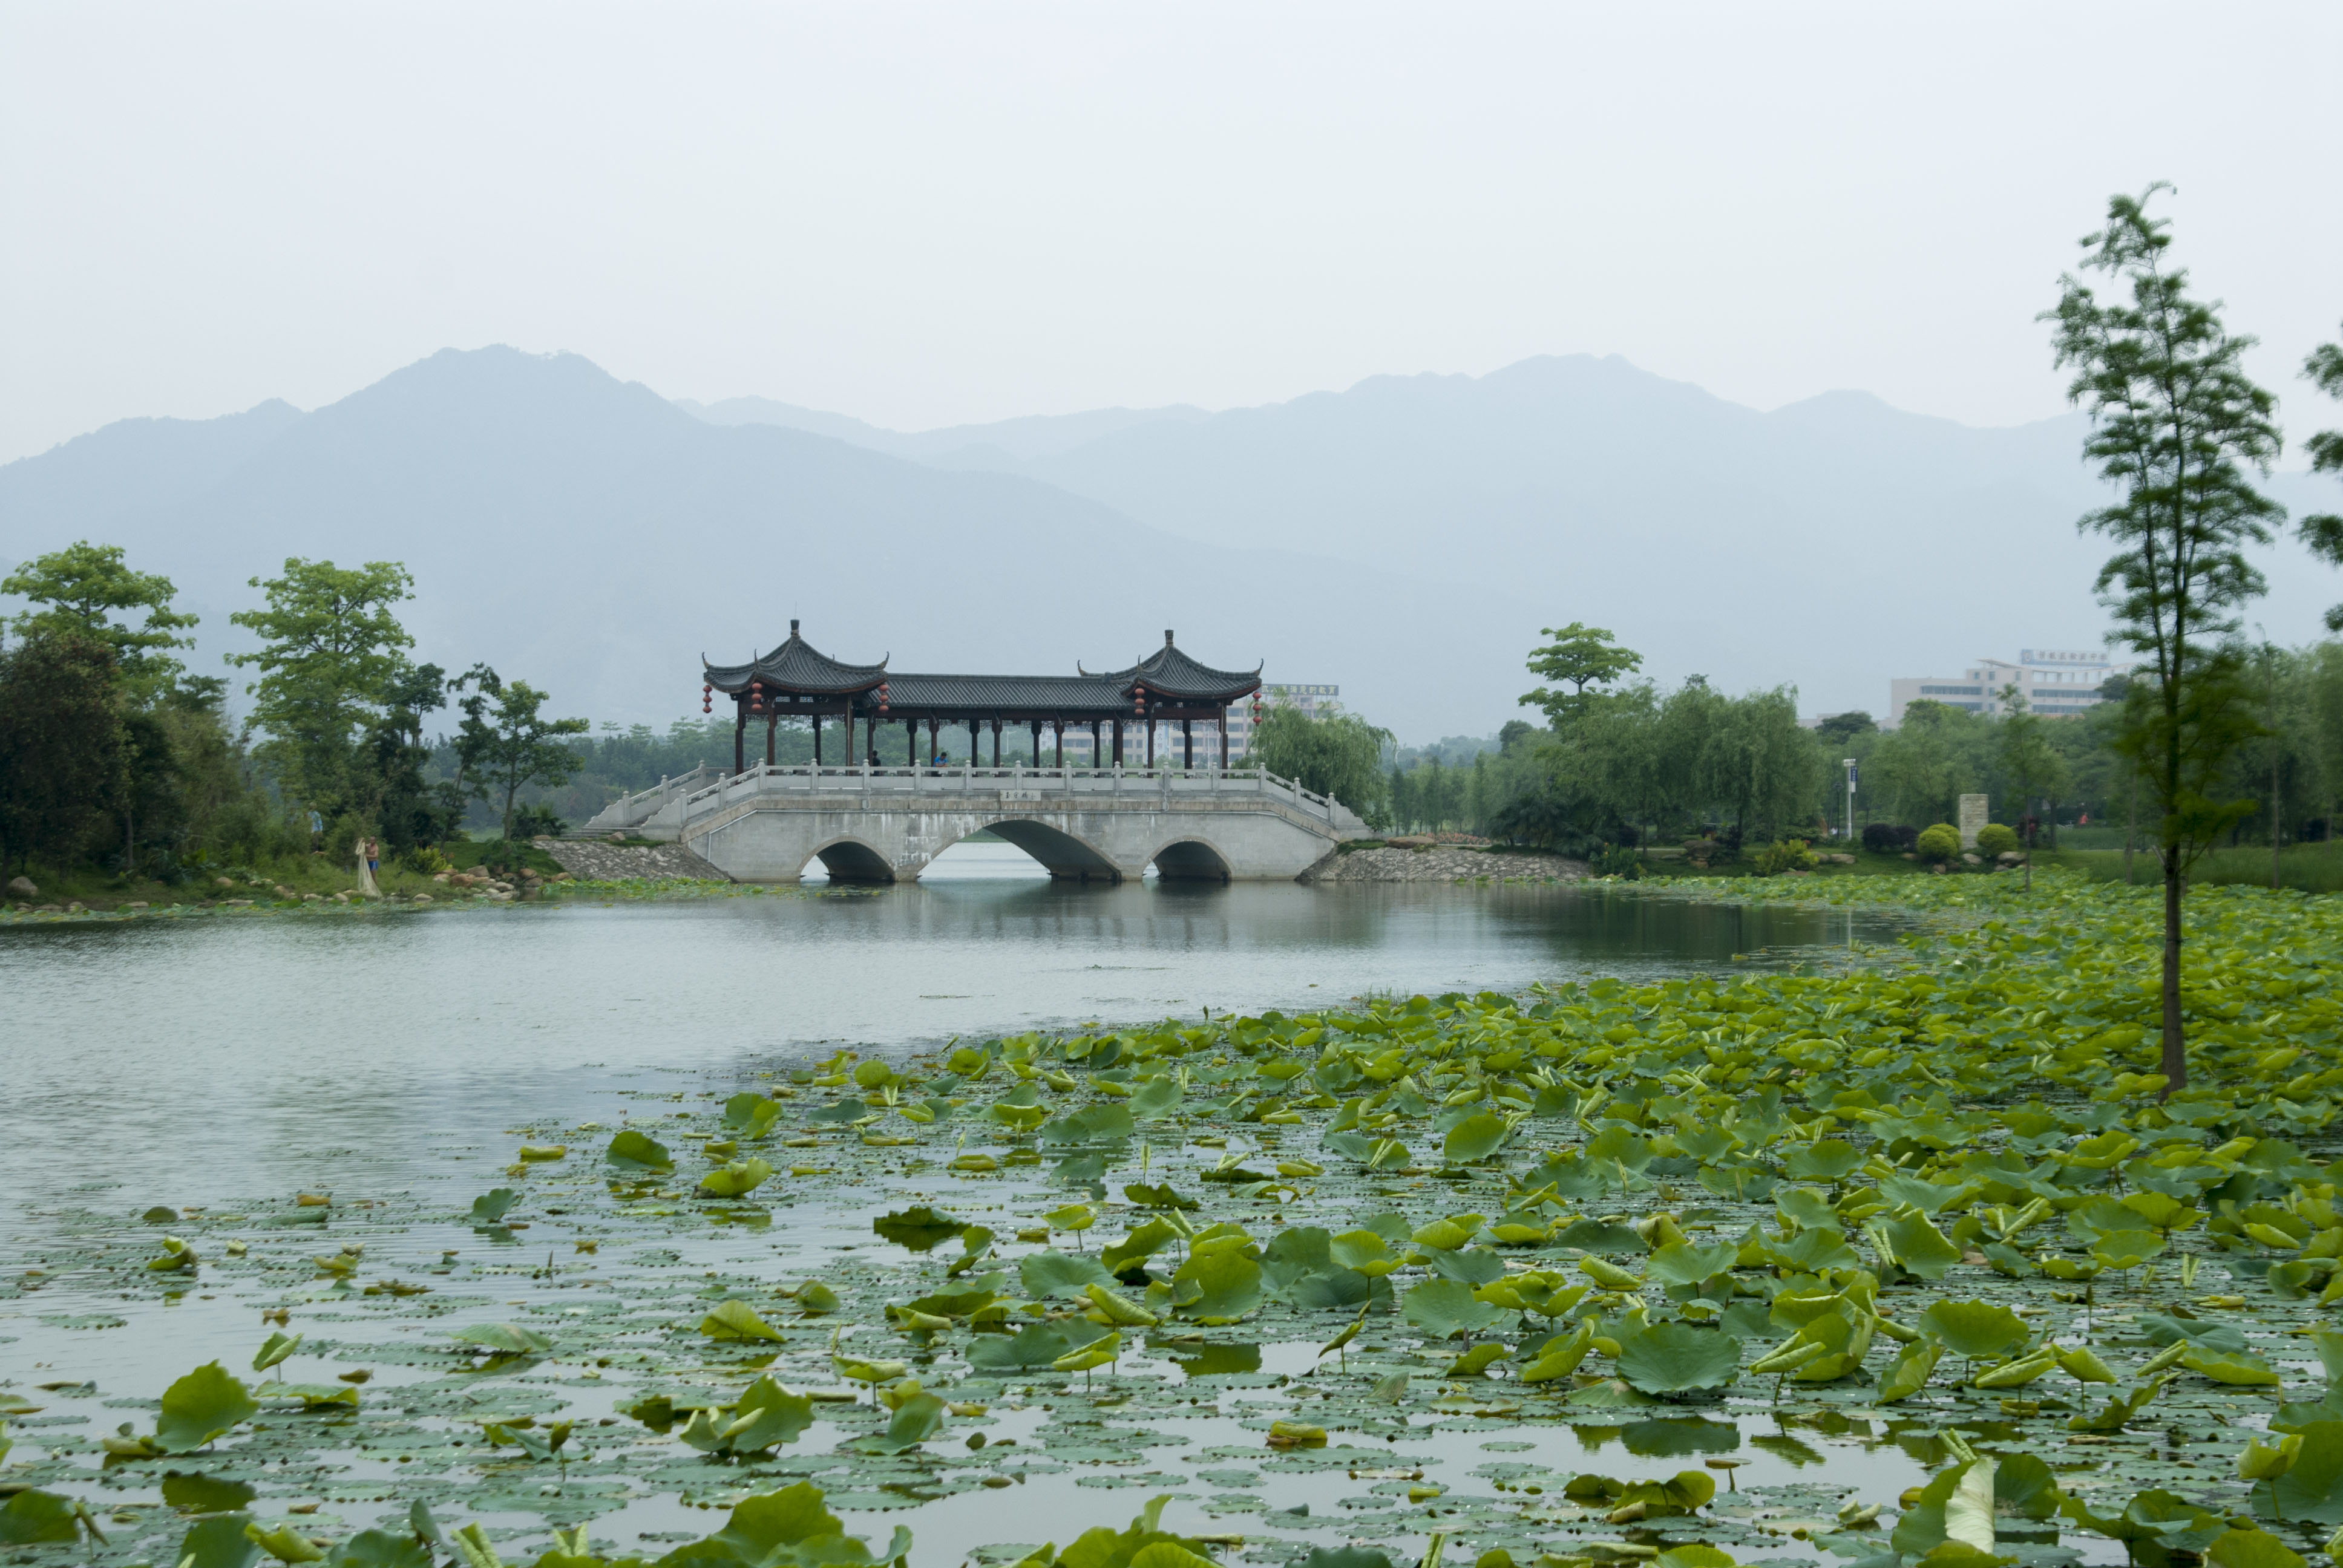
2175 423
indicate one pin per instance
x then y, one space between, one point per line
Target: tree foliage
1580 656
2175 424
332 654
1335 753
63 761
2323 532
505 743
81 588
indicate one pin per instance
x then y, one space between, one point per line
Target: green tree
62 746
1336 754
1582 656
2174 423
505 743
331 653
2033 768
82 588
2323 532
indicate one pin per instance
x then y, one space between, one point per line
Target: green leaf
1157 1197
201 1406
735 1179
2313 1489
1832 1160
2128 1249
920 1228
634 1149
1142 1244
2237 1369
1155 1098
378 1549
751 1113
505 1339
275 1349
768 1414
1444 1309
1092 1124
917 1419
1677 1358
1055 1273
1973 1329
1026 1350
218 1541
33 1518
734 1318
1474 1139
1908 1373
2252 1548
492 1205
1682 1263
1216 1288
1332 1290
1920 1247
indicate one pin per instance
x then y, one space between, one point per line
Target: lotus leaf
785 1529
218 1541
1832 1160
1908 1373
33 1518
1217 1287
1157 1197
1444 1309
738 1179
920 1228
1474 1139
276 1348
492 1206
1920 1247
1155 1098
734 1318
504 1339
1599 1236
1054 1274
915 1421
1473 1266
1682 1263
1974 1330
378 1549
1677 1358
1092 1124
2237 1369
206 1404
850 1111
1136 1248
2252 1548
640 1150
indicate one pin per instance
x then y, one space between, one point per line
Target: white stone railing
633 811
1168 785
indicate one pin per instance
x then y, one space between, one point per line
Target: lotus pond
1895 1256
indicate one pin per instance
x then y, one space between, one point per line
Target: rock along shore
1448 863
592 861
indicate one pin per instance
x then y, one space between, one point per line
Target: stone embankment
594 861
1448 863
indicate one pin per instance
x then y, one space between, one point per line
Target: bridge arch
1065 857
849 860
1190 860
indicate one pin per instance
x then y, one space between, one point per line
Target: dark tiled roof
795 666
1174 673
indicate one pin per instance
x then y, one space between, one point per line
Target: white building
2056 684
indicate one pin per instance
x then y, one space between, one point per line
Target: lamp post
1850 799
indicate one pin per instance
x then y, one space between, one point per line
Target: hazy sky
926 215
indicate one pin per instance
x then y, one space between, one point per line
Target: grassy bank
2306 868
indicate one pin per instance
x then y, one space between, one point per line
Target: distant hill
1832 543
594 536
1404 539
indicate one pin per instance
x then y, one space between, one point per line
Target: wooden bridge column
739 738
996 743
1150 741
1037 743
934 740
1188 744
975 740
772 717
1096 761
1117 727
849 733
816 737
910 743
1059 726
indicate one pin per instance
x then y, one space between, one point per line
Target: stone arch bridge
872 824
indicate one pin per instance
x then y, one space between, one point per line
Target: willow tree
2176 425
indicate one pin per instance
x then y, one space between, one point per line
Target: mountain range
1405 538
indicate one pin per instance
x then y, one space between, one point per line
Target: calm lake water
200 1063
206 1060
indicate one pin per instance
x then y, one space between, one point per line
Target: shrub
1785 855
1887 839
538 821
423 857
1941 842
1996 839
1616 861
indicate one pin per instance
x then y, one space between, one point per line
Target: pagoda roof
795 666
1169 675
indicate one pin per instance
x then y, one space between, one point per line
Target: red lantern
882 699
